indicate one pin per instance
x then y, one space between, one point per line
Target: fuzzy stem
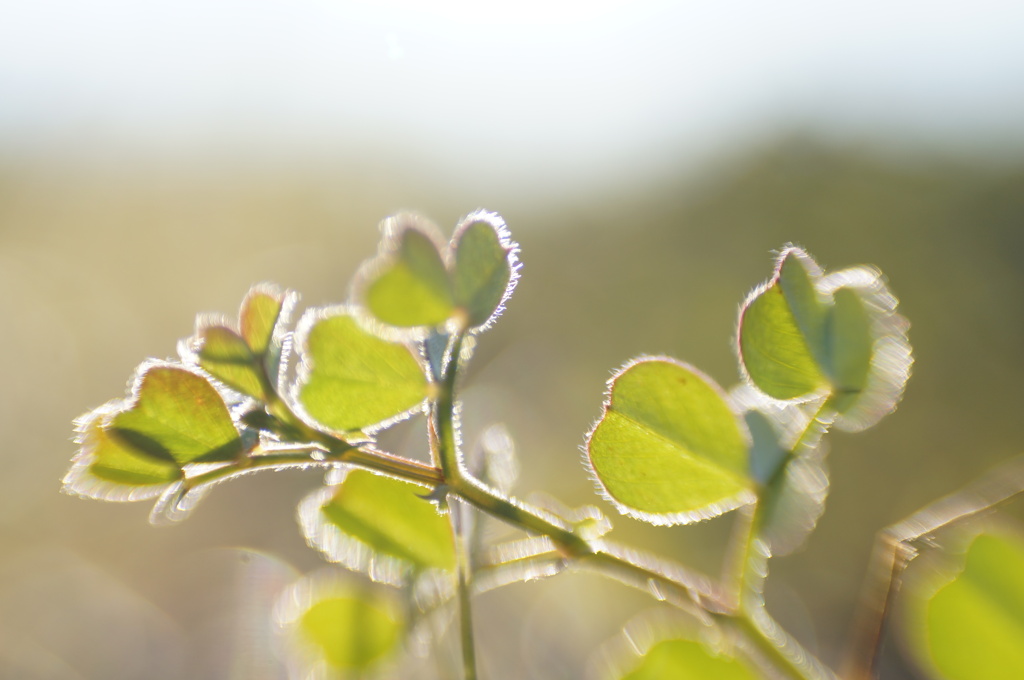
465 575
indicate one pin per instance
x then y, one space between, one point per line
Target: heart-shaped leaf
135 448
804 334
484 268
351 379
411 286
177 415
417 284
669 449
109 469
972 627
378 525
245 357
689 660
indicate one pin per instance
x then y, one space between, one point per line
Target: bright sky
542 85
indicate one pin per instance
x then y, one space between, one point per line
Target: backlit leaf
870 356
798 277
849 347
669 449
773 348
378 525
261 309
689 660
225 355
412 287
483 271
109 469
340 629
804 334
351 379
972 627
177 415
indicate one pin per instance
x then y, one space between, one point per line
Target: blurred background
158 158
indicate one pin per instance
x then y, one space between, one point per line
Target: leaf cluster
815 350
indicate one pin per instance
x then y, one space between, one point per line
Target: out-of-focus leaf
260 312
350 629
849 348
352 379
483 270
792 488
377 524
777 325
972 627
804 334
669 449
766 453
869 354
689 660
225 355
177 415
412 286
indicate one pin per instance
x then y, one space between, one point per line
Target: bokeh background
158 158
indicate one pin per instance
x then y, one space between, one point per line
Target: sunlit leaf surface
972 627
482 271
177 415
379 525
351 378
225 355
260 312
115 461
777 328
689 660
412 287
669 449
805 334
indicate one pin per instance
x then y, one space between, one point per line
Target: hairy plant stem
465 576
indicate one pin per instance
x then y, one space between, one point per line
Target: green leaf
109 461
412 287
352 630
766 453
483 267
972 628
386 515
260 312
668 448
352 379
850 347
689 660
798 275
225 355
774 350
177 415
